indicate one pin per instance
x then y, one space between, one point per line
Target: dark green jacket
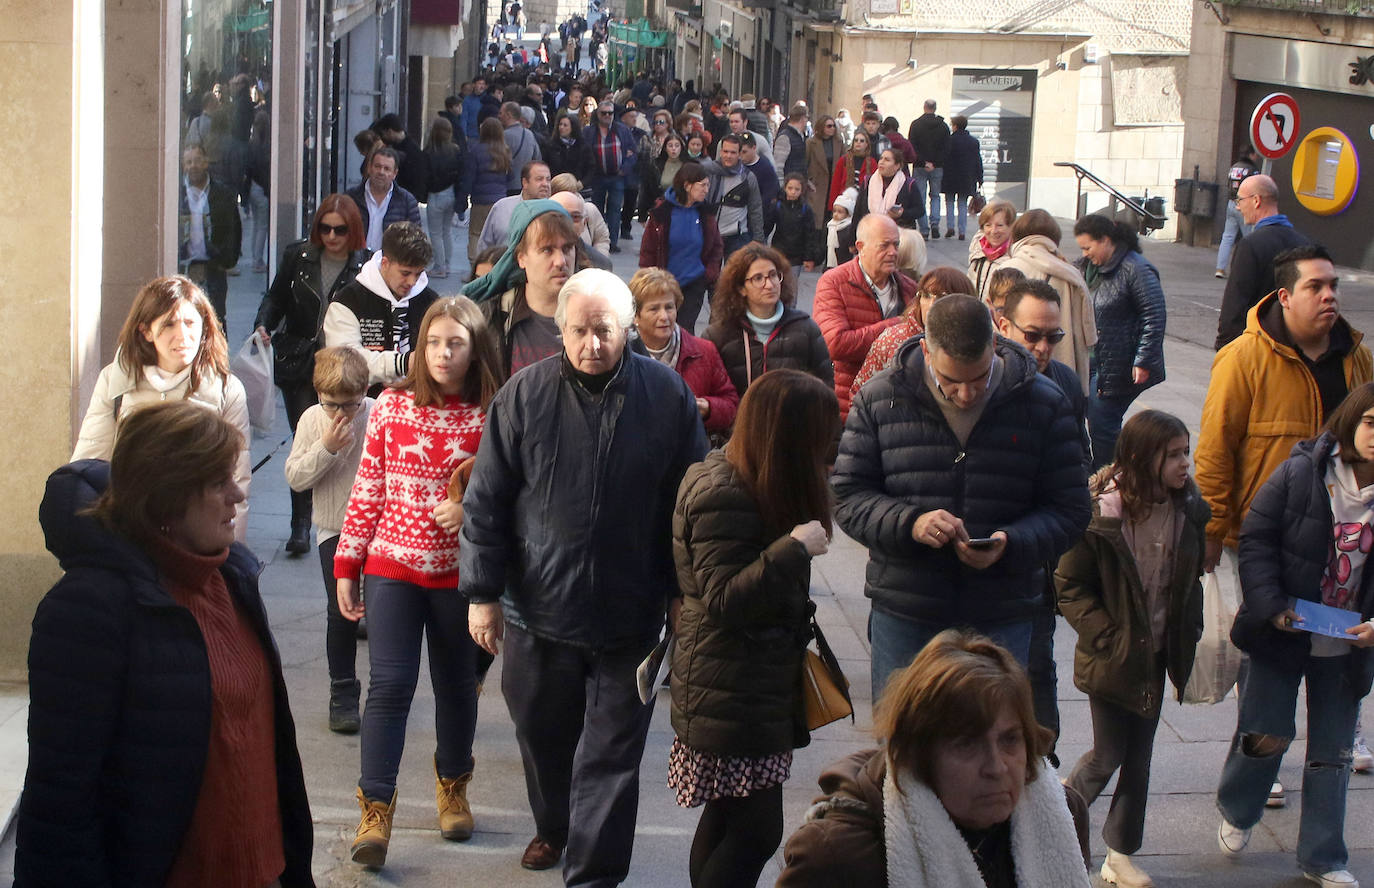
1101 595
737 660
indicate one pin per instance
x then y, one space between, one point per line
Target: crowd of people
554 468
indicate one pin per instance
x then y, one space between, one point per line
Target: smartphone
982 543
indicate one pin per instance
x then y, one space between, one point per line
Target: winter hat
506 273
848 199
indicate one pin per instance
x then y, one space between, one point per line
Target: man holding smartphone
961 471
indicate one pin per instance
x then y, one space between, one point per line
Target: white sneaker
1333 879
1119 869
1232 839
1276 798
1362 760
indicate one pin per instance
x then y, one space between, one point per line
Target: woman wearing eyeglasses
754 325
1128 306
822 150
292 311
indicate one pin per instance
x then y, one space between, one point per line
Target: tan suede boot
455 814
374 831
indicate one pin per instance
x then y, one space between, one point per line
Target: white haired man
567 555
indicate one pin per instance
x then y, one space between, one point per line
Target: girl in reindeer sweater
400 533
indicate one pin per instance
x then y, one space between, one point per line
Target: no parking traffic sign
1274 125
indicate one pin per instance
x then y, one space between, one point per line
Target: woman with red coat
682 237
853 169
657 300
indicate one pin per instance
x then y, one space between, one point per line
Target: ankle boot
343 706
451 798
299 541
374 831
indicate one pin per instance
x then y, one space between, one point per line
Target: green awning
640 33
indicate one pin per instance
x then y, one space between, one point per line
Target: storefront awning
640 33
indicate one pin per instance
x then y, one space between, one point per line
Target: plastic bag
253 366
1218 660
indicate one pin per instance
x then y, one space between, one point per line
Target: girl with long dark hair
401 534
1131 589
747 524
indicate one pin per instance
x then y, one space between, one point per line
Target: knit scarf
883 197
925 849
670 352
832 241
993 253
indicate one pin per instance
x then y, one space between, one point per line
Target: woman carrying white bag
171 347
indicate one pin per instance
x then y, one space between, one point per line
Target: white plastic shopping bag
253 366
1218 660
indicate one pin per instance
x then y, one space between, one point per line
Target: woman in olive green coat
748 521
1130 589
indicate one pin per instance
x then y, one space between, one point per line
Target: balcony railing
1361 8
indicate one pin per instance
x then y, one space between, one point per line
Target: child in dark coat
795 222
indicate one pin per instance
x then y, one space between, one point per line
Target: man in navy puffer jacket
960 439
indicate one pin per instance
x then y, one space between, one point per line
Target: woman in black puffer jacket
747 523
161 745
292 312
1128 304
1307 537
754 326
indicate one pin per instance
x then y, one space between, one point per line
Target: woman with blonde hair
1035 253
400 534
170 348
988 249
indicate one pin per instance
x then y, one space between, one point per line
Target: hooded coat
364 316
1021 471
119 709
1100 594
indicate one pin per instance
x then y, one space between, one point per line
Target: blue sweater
685 242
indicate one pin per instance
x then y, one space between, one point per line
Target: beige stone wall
46 64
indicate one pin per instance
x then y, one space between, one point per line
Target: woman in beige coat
822 150
1035 253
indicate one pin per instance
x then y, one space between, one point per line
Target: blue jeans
439 216
1104 413
734 241
608 194
1235 229
928 182
961 201
895 641
399 616
1267 707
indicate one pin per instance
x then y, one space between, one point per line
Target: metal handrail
1082 173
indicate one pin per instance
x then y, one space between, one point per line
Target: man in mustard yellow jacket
1272 387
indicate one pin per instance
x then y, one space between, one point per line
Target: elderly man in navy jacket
961 471
567 554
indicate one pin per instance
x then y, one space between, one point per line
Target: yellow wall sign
1326 171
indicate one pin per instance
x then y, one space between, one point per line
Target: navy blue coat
963 165
119 709
1284 546
569 510
1021 472
403 207
1128 303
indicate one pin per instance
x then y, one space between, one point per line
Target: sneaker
1220 273
1119 869
1362 760
1232 839
934 234
1276 799
1333 879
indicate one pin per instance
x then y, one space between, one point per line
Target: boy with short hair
324 459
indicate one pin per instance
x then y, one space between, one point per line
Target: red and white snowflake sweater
408 456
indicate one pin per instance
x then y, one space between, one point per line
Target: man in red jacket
857 301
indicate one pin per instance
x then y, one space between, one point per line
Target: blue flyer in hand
1322 619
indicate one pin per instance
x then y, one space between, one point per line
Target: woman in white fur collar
962 797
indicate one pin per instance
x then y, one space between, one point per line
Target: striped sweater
408 455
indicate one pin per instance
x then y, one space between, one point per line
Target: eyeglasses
335 406
606 113
1033 337
339 230
768 277
830 126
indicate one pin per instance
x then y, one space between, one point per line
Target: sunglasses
1033 337
339 230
